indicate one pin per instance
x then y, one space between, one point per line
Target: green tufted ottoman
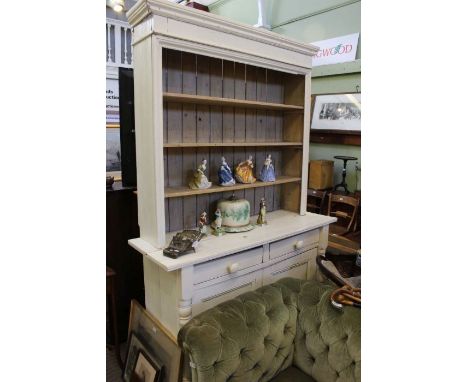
286 331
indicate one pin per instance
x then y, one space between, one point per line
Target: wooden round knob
234 267
299 244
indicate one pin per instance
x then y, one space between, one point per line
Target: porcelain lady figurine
199 178
261 220
225 174
244 171
202 222
217 224
268 171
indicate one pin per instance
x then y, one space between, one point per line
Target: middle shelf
173 192
233 144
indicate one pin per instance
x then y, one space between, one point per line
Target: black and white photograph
113 157
337 112
145 370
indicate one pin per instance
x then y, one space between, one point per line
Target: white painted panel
209 297
297 243
229 265
296 267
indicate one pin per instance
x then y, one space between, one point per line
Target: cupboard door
208 297
301 267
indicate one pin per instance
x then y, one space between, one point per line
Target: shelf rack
173 192
219 101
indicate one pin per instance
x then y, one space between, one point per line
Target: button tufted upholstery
260 335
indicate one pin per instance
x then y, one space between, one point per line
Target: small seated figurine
217 224
261 220
225 174
199 178
244 171
202 222
268 170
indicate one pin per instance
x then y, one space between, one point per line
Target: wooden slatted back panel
188 73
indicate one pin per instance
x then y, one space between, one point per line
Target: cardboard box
321 174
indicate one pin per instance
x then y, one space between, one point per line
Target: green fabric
292 374
259 334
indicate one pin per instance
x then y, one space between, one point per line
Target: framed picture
336 119
146 370
337 112
113 156
159 345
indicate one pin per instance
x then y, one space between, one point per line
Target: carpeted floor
113 372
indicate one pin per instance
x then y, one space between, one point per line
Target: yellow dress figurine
199 178
244 171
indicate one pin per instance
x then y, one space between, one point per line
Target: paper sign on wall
336 50
112 101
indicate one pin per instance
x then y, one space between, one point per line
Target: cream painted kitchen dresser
207 87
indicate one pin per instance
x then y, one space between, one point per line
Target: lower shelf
173 192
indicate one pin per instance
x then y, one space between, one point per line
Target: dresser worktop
281 224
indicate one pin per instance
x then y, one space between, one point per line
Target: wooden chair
345 209
316 201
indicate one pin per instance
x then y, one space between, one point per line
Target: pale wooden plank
173 192
250 94
176 222
239 93
174 178
166 178
203 89
165 122
228 92
214 162
166 215
203 75
234 144
189 86
216 90
174 122
281 224
228 101
190 212
174 165
164 69
189 68
174 71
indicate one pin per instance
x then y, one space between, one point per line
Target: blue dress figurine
268 171
225 174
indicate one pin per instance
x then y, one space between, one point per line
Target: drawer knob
299 244
234 267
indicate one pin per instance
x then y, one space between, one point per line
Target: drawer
208 297
293 244
228 265
301 267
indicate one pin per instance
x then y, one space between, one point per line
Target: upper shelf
173 192
206 100
233 144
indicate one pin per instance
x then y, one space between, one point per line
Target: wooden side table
110 292
343 184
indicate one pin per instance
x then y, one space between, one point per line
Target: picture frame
135 346
336 119
158 343
113 152
146 370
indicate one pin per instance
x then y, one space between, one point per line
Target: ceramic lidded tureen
235 214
